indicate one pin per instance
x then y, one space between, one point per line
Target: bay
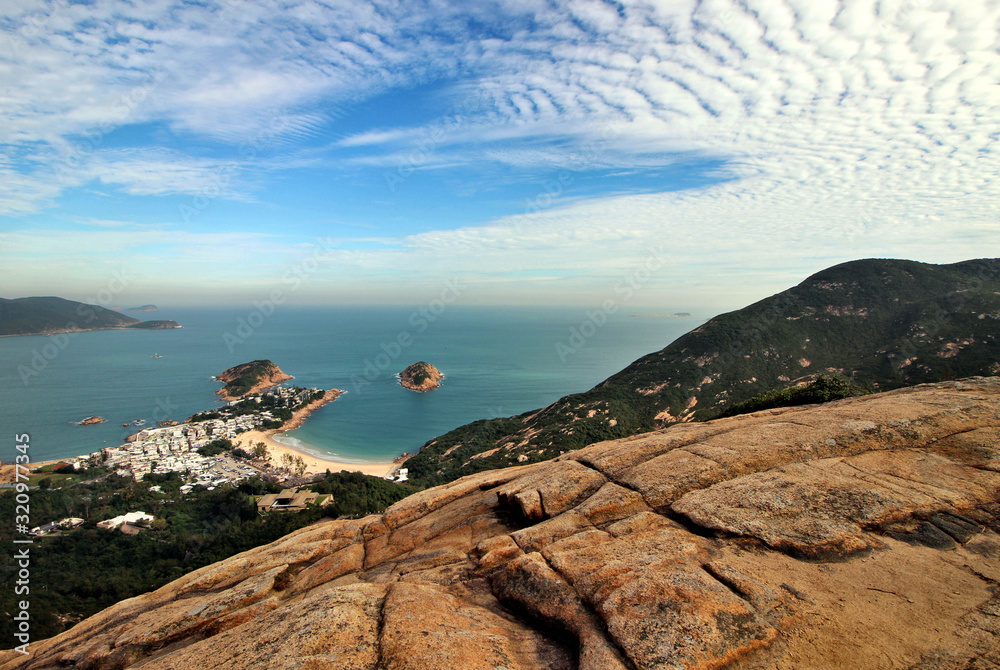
496 362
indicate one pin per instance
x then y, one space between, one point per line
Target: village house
291 499
130 519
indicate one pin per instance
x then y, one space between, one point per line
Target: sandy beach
314 464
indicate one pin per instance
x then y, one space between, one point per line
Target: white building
132 518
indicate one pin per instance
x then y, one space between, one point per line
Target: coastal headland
247 378
49 315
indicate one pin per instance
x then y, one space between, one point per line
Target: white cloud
850 128
159 172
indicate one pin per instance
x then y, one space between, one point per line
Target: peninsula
247 378
51 316
421 377
250 380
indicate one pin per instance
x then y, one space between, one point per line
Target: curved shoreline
314 464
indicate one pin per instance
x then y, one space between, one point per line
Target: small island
91 420
143 308
247 378
421 377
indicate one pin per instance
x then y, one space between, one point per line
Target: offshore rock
420 377
858 534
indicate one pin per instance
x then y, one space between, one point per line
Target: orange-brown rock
421 377
858 534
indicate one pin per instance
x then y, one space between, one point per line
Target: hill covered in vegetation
420 377
79 572
51 315
250 377
881 324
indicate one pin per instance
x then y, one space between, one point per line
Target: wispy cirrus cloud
156 172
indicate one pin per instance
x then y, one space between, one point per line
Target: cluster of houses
128 523
285 396
168 449
175 448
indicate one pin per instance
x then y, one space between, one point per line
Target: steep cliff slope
883 323
857 534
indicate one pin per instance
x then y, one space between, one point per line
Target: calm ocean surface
496 362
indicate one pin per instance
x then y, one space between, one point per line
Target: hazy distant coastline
675 314
50 315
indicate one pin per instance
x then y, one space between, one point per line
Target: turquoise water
496 362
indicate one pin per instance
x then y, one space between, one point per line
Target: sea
496 362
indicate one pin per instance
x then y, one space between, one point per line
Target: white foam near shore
298 445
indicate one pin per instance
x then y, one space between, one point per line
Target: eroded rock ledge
860 534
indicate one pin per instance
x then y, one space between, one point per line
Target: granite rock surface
858 534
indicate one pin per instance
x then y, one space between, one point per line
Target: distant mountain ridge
882 323
49 315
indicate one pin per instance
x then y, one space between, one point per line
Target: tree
45 483
216 447
300 465
260 451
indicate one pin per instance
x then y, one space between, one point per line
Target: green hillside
49 315
245 377
33 316
881 323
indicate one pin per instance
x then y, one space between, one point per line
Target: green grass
56 480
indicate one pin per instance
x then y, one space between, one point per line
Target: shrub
822 389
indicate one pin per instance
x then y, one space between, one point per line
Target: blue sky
538 152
